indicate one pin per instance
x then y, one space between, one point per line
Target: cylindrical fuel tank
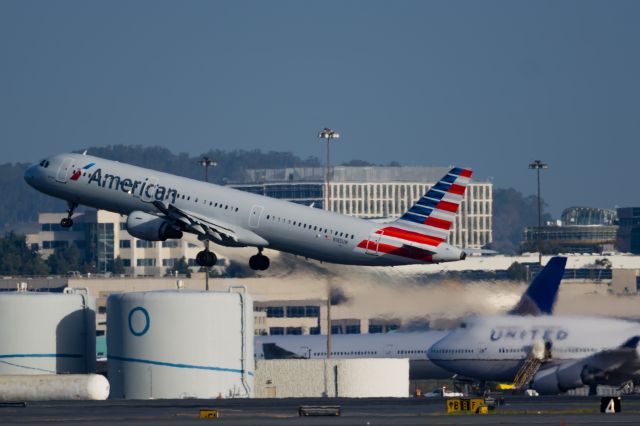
180 344
47 333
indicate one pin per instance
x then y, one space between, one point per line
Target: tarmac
517 410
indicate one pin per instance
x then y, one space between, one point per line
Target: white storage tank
47 333
180 344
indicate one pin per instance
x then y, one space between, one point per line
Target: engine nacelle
552 381
151 228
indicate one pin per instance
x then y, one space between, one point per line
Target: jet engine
552 381
151 228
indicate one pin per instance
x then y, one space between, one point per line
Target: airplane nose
30 174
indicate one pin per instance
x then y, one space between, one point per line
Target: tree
181 267
65 259
512 212
517 272
16 258
118 266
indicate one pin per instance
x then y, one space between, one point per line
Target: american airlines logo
145 189
513 333
76 175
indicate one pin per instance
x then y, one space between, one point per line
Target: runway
518 410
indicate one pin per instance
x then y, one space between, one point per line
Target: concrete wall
351 378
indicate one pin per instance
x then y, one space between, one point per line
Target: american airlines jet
538 299
565 352
162 206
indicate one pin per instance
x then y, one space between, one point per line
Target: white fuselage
411 345
494 348
284 226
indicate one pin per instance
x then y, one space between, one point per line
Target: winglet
543 290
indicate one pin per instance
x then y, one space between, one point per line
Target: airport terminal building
376 192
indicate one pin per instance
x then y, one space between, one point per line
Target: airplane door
388 349
373 243
306 351
254 216
149 191
64 170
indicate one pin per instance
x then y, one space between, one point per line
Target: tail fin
434 212
543 290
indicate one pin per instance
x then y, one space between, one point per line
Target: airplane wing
217 231
607 367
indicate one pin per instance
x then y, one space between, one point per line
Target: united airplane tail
433 214
542 293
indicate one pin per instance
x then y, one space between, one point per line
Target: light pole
328 134
537 165
206 162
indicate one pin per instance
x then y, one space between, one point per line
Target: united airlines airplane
561 352
538 299
162 206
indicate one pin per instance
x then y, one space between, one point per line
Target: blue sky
490 85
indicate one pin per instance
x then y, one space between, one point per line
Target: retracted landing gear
67 222
259 262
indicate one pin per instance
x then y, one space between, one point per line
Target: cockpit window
44 163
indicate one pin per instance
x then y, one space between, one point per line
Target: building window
336 329
314 330
275 312
169 262
126 263
146 262
312 311
145 244
125 243
294 330
375 328
276 331
295 311
54 244
352 329
171 243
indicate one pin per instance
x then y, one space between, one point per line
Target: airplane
538 299
560 352
160 206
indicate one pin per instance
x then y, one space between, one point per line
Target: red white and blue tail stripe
433 214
